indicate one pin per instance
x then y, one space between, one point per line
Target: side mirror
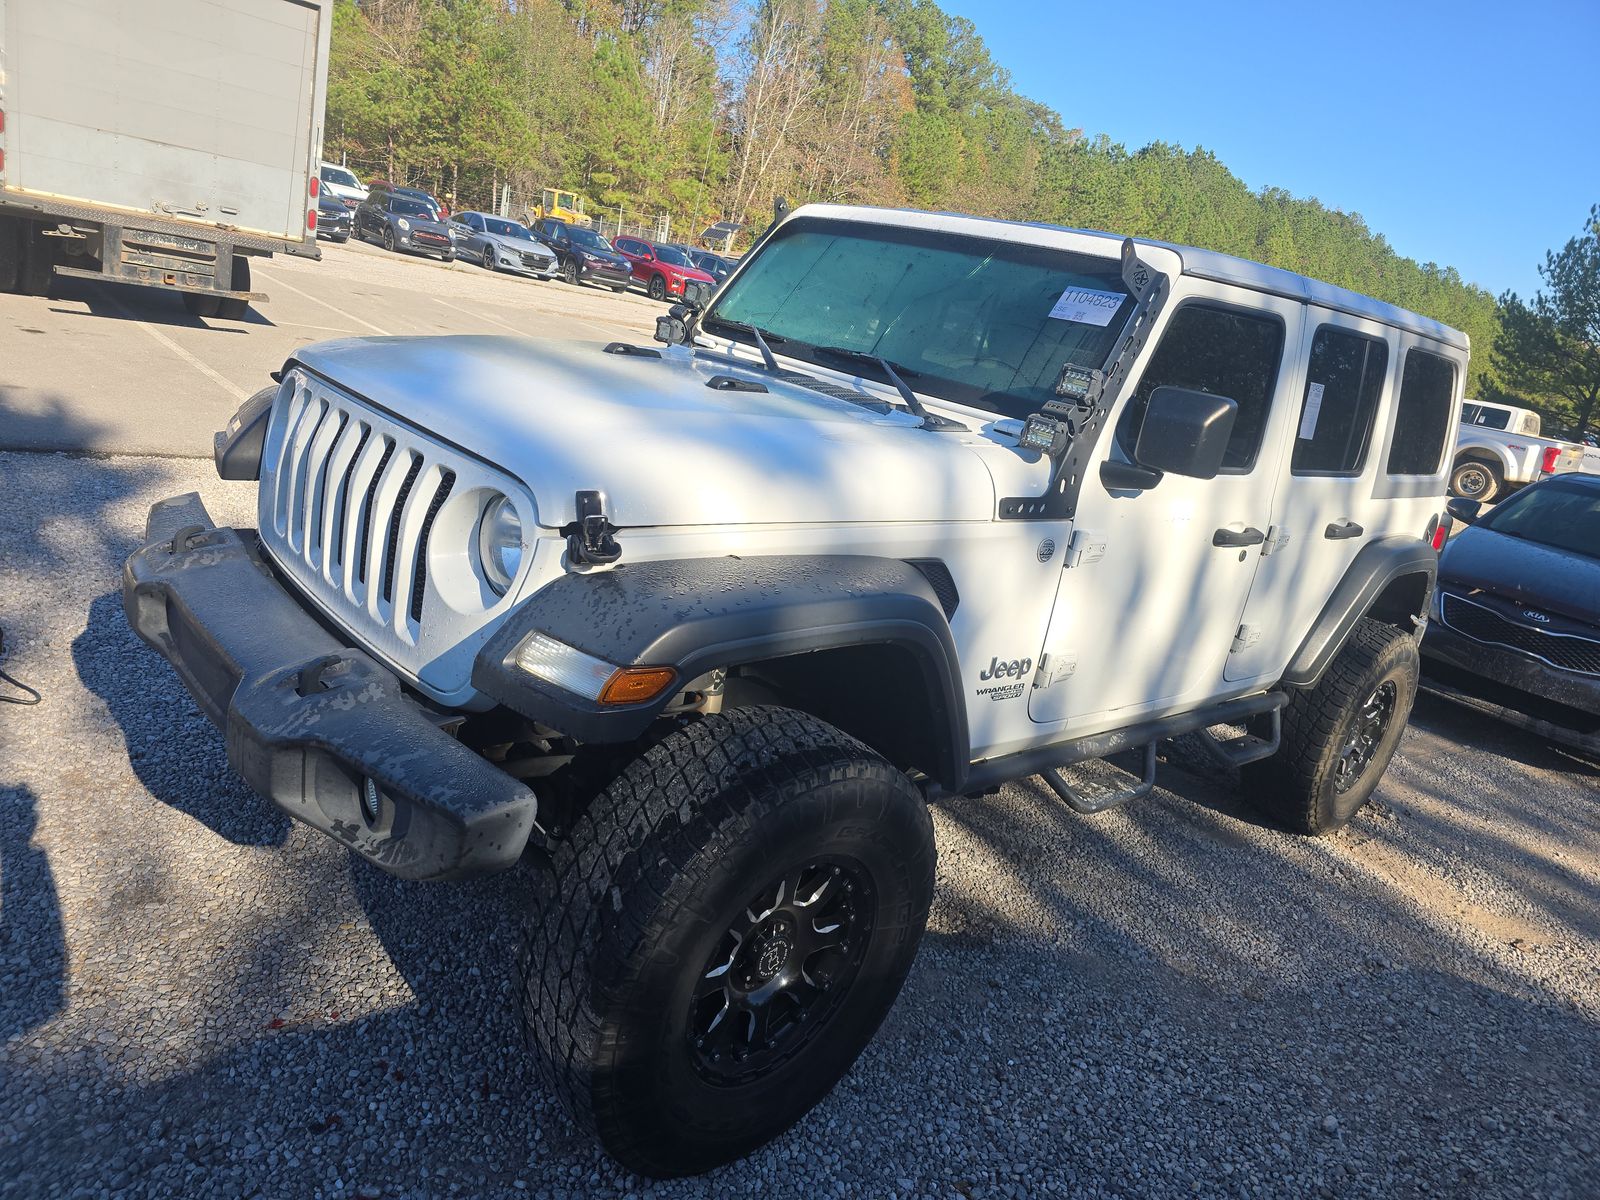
1185 432
1465 511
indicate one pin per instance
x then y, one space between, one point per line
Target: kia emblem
1540 617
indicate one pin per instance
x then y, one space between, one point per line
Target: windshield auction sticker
1087 306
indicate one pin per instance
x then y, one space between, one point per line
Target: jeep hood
665 446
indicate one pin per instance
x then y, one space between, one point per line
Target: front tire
1474 480
1339 736
388 239
728 923
658 288
569 273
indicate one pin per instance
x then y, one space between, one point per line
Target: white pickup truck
1498 450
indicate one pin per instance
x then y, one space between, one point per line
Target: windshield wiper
763 338
893 372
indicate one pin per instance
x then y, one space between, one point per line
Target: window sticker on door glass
1313 410
1087 306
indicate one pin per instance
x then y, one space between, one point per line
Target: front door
1155 581
1326 511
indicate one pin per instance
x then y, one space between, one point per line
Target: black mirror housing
1185 432
1465 511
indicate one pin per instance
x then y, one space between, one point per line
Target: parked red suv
664 270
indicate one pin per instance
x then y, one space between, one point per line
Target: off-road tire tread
1287 784
639 837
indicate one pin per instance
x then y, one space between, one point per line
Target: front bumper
1511 669
306 719
608 275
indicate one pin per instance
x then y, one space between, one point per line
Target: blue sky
1468 134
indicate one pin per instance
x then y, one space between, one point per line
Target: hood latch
591 539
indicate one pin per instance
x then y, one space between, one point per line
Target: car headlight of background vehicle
500 543
405 225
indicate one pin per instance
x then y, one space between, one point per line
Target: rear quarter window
1422 414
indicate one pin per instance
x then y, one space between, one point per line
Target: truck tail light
1551 455
316 183
311 219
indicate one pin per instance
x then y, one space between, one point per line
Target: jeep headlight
405 225
500 543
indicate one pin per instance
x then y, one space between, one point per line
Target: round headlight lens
404 224
500 544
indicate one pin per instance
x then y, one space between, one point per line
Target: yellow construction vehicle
563 206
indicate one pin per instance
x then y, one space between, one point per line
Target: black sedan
1518 604
584 255
333 218
401 223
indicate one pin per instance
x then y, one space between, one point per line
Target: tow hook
591 539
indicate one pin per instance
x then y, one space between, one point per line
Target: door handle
1339 530
1248 536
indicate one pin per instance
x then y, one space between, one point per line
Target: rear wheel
1339 736
36 259
729 922
619 287
657 288
201 304
233 308
1474 480
10 253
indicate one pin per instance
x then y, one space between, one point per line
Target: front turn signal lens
634 685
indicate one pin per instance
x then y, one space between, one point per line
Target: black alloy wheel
658 288
1366 735
781 970
569 272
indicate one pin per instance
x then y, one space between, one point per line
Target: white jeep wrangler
916 505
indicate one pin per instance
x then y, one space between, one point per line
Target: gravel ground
199 998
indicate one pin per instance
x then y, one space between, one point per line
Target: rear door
1325 511
196 109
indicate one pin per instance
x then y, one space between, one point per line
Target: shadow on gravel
175 751
33 947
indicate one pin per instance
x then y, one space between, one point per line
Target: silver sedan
501 245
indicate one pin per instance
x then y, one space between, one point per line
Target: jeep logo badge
1047 550
1015 669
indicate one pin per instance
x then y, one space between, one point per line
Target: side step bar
1089 802
1047 760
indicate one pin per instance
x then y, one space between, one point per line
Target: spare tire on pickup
728 923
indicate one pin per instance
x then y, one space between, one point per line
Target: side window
1222 352
1422 414
1494 418
1344 380
1470 414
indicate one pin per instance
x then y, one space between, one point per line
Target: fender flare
701 614
1378 564
1485 452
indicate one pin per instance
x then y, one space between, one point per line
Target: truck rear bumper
315 726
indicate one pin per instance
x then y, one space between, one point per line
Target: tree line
708 109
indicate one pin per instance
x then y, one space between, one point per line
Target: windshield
340 176
508 229
672 256
1563 514
410 208
589 238
978 321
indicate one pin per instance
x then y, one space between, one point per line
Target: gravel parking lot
200 998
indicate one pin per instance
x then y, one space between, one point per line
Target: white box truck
163 143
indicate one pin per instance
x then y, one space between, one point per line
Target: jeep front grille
1569 652
351 502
